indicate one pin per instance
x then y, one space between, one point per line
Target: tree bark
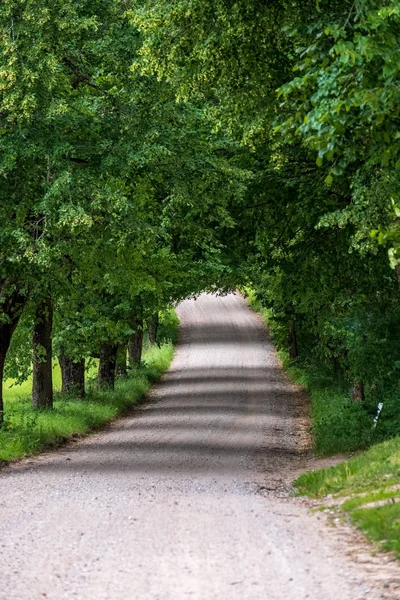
107 364
42 388
152 328
121 370
292 340
135 345
72 375
397 270
5 339
358 392
11 307
337 369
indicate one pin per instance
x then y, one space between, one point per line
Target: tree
111 190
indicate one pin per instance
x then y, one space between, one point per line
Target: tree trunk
152 328
338 371
4 345
357 392
121 370
6 331
335 367
107 364
11 307
42 388
292 340
73 376
135 345
397 270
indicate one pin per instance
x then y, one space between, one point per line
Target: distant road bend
168 503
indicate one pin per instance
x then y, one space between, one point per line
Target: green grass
339 425
27 431
376 469
371 477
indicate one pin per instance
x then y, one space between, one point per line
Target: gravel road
188 496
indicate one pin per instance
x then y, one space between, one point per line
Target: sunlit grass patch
381 524
376 468
367 489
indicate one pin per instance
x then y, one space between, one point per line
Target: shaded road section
168 503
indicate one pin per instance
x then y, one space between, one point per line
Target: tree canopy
151 150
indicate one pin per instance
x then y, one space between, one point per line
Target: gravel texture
187 497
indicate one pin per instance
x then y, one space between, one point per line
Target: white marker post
377 414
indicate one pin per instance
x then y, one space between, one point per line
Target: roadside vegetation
364 489
27 431
338 424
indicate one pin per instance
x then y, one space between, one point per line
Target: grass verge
366 489
27 431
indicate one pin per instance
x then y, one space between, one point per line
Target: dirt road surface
188 497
